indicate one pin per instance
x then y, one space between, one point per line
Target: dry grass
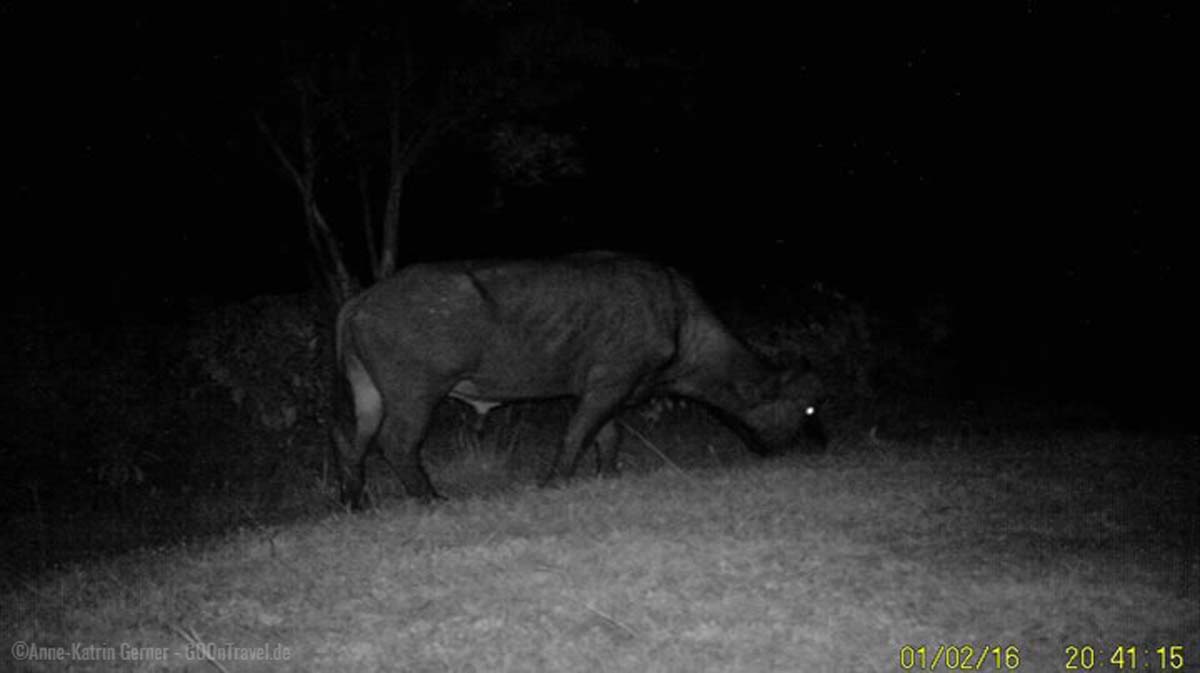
829 563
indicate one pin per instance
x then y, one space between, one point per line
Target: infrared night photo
569 335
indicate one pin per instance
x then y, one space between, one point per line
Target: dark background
1021 162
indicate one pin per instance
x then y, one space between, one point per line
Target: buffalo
607 329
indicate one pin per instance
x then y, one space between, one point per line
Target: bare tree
340 106
363 114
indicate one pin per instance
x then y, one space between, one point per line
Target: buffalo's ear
750 392
801 382
795 369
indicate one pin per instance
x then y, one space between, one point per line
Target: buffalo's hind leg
400 437
351 472
368 413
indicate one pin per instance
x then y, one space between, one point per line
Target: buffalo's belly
481 391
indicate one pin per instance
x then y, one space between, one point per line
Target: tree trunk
326 248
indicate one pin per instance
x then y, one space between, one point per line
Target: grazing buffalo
606 329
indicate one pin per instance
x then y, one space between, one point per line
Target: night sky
1023 160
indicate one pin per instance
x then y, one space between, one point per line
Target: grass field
1003 553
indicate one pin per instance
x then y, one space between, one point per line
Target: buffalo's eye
810 410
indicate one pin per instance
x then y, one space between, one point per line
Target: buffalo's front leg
608 444
400 440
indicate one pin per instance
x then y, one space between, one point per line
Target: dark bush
269 360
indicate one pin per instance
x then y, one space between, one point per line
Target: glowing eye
809 411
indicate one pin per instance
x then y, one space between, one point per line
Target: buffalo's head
786 413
